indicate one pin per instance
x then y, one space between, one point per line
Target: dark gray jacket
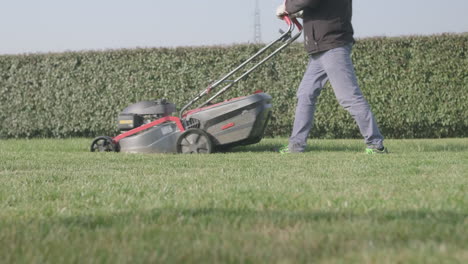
327 23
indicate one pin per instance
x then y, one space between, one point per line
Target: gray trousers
334 65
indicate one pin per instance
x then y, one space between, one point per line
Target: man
328 40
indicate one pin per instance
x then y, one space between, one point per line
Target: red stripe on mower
227 126
149 125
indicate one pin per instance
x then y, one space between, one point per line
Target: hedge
417 87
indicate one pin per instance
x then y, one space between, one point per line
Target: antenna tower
257 26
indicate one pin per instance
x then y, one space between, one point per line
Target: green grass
334 204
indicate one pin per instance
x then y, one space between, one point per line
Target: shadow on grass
314 148
326 146
207 216
452 147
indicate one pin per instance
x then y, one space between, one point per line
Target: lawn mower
149 127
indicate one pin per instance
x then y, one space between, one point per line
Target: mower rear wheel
104 144
194 141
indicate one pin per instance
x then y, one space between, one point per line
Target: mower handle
286 37
291 21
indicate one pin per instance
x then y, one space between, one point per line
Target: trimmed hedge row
417 87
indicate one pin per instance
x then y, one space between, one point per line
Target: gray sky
62 25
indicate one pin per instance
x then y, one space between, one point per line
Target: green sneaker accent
371 151
284 150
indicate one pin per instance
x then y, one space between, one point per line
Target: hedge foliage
417 87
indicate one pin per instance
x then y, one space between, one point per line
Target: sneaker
284 150
373 150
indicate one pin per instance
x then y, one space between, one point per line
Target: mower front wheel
194 141
104 144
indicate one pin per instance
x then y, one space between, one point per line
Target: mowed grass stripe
333 204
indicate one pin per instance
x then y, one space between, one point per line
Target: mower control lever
284 37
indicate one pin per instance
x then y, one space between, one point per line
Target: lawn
60 203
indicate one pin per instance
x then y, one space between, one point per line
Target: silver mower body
240 121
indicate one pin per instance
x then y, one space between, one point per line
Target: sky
42 26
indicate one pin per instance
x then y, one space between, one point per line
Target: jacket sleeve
294 6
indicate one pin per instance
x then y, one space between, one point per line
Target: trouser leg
312 84
338 65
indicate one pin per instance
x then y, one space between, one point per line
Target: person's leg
340 70
312 83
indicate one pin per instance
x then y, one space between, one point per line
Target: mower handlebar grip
297 23
287 19
291 21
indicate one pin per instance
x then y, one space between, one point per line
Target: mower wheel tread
194 141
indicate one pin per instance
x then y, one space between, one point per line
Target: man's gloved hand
281 11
